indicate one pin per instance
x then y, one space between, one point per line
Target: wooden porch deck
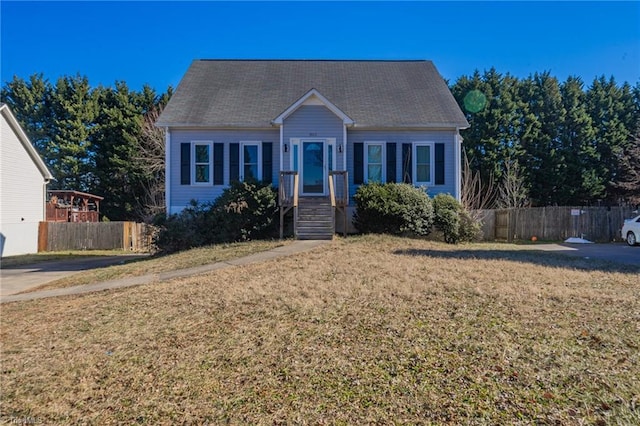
313 217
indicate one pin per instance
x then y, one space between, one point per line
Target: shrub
247 211
244 211
187 229
393 208
455 223
470 228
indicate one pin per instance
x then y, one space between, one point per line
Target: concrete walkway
297 246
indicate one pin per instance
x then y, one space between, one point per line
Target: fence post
42 236
126 236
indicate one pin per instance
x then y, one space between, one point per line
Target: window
374 162
423 170
251 159
202 160
294 156
330 156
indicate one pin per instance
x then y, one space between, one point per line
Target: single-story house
23 188
384 121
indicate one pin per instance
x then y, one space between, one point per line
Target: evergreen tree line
541 141
99 140
555 143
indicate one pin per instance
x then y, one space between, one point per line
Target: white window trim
250 143
193 163
331 142
383 159
292 142
414 164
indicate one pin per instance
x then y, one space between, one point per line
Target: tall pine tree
612 111
69 152
29 102
493 136
577 139
542 115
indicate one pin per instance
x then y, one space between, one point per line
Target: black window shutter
185 164
234 162
439 164
218 163
407 167
391 161
358 163
267 162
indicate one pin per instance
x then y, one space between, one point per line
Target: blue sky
154 42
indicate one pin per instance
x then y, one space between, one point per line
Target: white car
631 231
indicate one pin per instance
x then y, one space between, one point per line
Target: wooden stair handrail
295 189
332 192
286 200
342 201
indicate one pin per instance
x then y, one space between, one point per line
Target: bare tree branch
151 157
512 192
476 194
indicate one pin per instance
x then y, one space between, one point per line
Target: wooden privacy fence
58 236
597 224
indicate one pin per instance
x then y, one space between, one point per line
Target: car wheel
631 238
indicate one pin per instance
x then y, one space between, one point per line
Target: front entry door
313 168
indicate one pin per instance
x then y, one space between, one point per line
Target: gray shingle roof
252 93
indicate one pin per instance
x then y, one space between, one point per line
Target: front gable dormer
313 97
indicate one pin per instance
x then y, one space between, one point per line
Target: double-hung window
202 160
374 160
251 161
423 163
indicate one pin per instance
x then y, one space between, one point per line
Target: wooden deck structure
72 206
313 217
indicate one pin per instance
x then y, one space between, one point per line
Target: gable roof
26 143
253 93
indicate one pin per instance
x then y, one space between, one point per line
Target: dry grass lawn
365 330
181 260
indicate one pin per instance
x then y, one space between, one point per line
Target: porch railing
288 197
339 194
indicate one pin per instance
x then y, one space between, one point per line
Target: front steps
316 219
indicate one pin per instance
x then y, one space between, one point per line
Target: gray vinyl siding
181 195
447 137
313 121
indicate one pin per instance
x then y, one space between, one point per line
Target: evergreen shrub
393 208
451 218
244 211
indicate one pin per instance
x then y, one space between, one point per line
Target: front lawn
180 260
363 330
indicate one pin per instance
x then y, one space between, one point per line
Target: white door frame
328 144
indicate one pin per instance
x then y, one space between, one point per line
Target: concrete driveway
612 252
24 277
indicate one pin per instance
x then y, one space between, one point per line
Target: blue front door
313 168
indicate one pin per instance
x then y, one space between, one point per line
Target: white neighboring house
23 188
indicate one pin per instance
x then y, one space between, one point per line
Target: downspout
44 200
167 176
44 197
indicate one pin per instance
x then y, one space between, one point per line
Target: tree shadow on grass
78 263
557 258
